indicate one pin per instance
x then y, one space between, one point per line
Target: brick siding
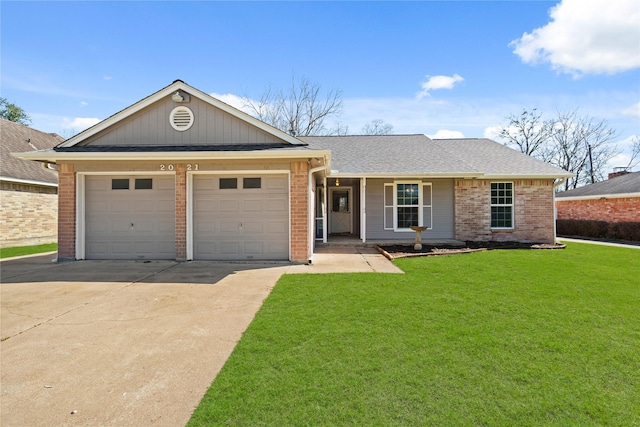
299 191
28 217
66 212
625 209
533 211
181 212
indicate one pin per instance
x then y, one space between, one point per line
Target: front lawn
27 250
513 337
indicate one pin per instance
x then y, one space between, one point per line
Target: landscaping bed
404 251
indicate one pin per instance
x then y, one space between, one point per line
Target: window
144 184
407 204
340 201
251 182
228 183
501 205
120 184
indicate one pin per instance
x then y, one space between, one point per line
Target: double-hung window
501 205
407 204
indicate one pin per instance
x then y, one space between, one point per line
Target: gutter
56 156
28 181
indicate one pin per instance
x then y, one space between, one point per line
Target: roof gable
147 123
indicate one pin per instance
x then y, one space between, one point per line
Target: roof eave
28 181
597 197
56 156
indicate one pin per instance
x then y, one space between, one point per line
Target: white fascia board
514 177
175 86
335 174
27 181
56 156
598 197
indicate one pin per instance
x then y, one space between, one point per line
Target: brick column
472 209
299 193
66 212
181 212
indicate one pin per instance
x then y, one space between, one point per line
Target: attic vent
181 118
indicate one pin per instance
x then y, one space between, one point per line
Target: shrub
629 231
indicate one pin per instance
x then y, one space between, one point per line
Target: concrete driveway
130 343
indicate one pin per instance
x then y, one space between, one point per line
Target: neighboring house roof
20 138
620 186
397 155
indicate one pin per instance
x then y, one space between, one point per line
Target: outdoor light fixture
337 182
177 97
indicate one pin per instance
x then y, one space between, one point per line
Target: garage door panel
253 227
276 227
241 223
229 205
119 206
129 224
252 205
276 205
279 182
229 248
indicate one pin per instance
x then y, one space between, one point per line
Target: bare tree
377 127
528 133
581 145
635 154
301 110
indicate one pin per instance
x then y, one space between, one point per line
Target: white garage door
241 217
130 217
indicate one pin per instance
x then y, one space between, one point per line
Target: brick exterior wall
181 212
28 217
299 191
624 209
66 212
533 211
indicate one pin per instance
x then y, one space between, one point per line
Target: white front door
340 210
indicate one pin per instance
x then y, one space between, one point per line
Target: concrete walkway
130 343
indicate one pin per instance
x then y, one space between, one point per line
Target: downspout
312 212
555 209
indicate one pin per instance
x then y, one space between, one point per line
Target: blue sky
451 68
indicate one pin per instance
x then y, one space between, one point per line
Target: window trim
422 204
511 205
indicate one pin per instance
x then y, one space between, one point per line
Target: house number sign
170 167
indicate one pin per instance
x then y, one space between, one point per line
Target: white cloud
79 123
586 37
438 82
634 110
446 134
105 77
233 100
83 103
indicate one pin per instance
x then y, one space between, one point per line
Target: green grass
27 250
499 338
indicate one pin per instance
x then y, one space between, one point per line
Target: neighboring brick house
182 175
614 201
28 189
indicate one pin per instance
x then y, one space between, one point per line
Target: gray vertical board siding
211 126
442 205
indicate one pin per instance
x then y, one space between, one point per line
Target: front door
340 211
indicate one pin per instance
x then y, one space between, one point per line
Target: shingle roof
623 184
419 155
17 138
